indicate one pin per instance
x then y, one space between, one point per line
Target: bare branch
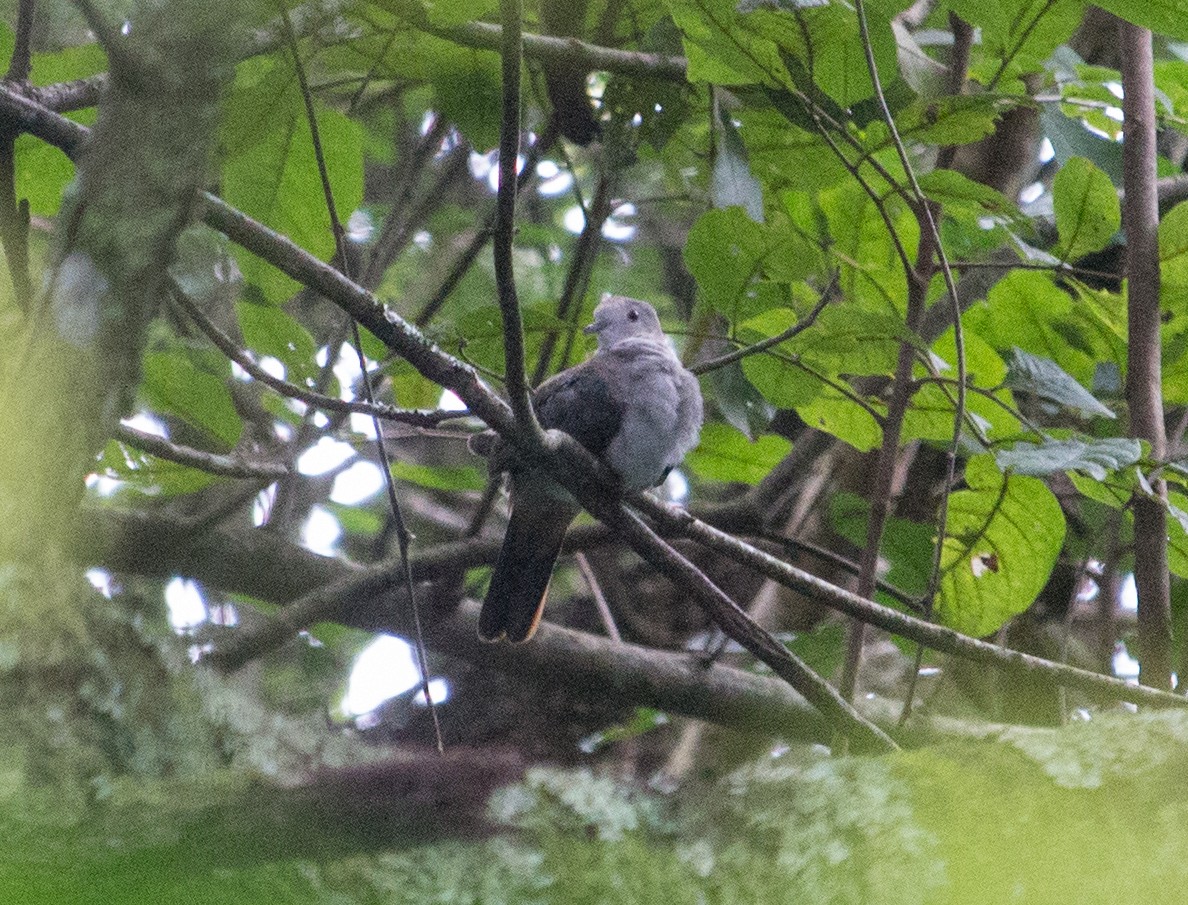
1144 391
228 347
518 393
226 466
934 636
546 49
797 328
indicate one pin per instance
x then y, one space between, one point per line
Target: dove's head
618 318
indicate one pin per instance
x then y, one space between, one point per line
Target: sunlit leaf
440 477
725 251
726 455
271 173
1003 536
1044 378
1088 212
931 413
179 383
1096 457
839 414
1018 35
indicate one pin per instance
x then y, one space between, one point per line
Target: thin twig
600 604
518 393
469 255
232 466
228 346
797 328
929 229
841 562
937 637
1144 390
585 252
403 535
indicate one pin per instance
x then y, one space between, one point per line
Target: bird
632 404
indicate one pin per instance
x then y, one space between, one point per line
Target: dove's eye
632 314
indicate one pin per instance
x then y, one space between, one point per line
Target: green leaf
440 477
148 475
643 720
731 182
725 251
1166 17
1018 35
908 547
410 388
786 156
952 120
1173 249
66 65
724 454
739 402
955 190
870 267
721 51
654 109
1021 310
446 13
836 413
822 649
355 519
42 173
469 91
481 333
845 339
931 412
1044 378
823 40
268 330
1177 534
186 384
1096 457
782 382
1004 535
1088 213
1115 491
270 171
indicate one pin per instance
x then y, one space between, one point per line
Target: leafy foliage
745 182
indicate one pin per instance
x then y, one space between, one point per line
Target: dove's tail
520 583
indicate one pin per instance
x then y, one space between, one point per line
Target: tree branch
14 213
797 328
266 566
518 391
1140 220
546 49
316 400
934 636
212 463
